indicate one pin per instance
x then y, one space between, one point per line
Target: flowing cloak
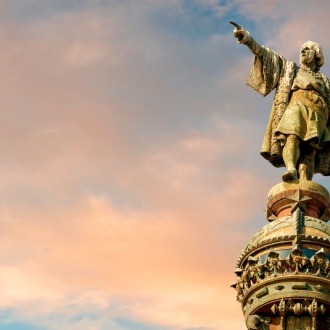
271 71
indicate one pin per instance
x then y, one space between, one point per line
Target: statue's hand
242 36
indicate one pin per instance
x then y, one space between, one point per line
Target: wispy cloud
129 147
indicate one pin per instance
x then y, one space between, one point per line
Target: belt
311 95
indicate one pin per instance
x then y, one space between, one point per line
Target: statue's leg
291 154
302 170
311 165
306 167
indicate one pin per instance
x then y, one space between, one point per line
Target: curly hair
319 58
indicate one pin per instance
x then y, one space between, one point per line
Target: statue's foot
289 175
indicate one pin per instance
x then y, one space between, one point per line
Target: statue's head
311 51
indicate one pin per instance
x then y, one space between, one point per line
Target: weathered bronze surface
283 272
298 132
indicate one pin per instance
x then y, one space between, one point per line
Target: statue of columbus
298 131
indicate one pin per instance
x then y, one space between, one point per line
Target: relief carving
256 322
297 263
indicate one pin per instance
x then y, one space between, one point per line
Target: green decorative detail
299 286
279 287
262 293
319 287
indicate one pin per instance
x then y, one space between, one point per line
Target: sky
129 157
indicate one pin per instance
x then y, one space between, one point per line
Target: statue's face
274 261
307 53
320 261
297 259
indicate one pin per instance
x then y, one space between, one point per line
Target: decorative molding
313 308
296 263
297 221
256 322
280 240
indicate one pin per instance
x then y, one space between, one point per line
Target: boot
291 155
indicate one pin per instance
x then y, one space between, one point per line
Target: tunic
307 112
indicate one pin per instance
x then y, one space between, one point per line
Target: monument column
283 272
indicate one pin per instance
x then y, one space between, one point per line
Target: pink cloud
146 261
127 168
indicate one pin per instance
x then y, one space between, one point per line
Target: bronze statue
298 130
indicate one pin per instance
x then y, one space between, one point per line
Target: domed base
283 273
309 196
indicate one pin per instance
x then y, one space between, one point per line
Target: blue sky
129 149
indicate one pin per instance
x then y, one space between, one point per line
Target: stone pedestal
283 272
310 197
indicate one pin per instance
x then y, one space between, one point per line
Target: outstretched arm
267 65
243 37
